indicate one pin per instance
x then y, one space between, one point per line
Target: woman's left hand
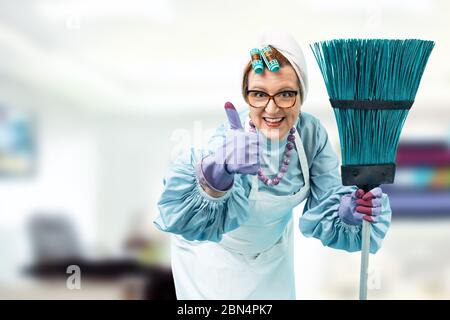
358 205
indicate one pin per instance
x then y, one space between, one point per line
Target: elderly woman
230 207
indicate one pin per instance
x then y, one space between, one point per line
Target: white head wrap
289 48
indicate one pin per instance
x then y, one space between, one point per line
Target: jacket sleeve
186 209
320 218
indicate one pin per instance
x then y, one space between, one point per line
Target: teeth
273 119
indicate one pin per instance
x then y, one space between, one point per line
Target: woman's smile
272 122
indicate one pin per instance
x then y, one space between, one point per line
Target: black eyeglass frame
272 97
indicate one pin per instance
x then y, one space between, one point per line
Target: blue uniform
199 219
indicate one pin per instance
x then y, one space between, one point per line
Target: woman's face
273 83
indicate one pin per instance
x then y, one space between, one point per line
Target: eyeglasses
260 99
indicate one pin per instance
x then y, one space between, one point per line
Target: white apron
254 261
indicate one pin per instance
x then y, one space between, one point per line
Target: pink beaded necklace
286 159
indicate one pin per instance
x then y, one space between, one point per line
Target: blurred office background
98 97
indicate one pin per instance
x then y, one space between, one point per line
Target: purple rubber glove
239 154
358 205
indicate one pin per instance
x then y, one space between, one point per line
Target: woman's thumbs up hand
233 116
239 154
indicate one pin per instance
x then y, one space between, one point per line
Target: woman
230 207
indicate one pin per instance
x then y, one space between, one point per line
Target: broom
371 84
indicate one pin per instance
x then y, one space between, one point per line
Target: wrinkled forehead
284 78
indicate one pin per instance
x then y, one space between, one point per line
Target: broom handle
364 260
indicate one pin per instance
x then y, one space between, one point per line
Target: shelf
418 203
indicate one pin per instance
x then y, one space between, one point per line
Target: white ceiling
159 56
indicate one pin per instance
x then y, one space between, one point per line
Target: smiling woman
274 117
274 97
230 206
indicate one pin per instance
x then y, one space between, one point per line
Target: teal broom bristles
371 84
373 70
373 127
